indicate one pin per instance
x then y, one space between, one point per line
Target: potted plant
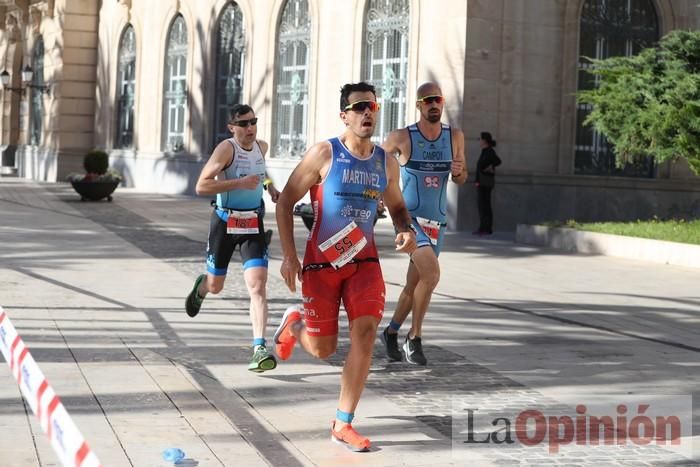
99 181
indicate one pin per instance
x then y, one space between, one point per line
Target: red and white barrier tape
66 440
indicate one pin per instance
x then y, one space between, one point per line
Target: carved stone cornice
45 6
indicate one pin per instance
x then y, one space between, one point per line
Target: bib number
431 229
242 222
342 247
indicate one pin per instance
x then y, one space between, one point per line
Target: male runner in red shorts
345 176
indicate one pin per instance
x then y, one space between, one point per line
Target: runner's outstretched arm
406 238
310 171
459 158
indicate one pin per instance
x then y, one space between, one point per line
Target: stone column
11 50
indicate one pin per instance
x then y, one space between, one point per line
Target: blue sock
344 416
394 325
258 341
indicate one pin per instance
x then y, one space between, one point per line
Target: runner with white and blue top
235 173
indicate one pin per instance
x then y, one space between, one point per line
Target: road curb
572 240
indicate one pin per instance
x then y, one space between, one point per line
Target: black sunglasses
245 123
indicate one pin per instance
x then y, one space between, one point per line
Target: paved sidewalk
97 289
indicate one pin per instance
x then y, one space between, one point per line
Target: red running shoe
351 439
284 339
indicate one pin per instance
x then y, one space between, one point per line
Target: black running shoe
414 351
391 345
193 302
268 237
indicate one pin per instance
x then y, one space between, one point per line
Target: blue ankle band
258 341
394 325
344 416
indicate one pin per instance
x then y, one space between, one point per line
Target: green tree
649 104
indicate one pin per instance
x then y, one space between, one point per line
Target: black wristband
411 228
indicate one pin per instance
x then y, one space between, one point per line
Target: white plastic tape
66 439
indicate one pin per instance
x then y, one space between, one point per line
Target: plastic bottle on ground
174 455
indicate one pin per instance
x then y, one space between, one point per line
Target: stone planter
95 191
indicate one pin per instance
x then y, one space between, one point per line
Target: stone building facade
150 83
48 122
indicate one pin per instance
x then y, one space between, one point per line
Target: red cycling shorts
359 285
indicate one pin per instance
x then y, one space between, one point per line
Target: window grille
230 57
175 87
126 83
37 97
609 28
385 61
292 78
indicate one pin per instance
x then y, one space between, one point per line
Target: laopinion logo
662 422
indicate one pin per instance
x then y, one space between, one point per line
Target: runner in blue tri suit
346 176
235 173
429 153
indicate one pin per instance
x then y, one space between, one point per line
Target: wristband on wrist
410 228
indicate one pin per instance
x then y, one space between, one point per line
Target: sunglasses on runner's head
245 123
431 99
361 106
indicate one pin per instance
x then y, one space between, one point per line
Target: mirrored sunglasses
431 99
245 123
361 106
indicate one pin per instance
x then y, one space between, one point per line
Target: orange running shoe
284 339
351 439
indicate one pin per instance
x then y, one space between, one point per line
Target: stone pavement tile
220 437
126 406
185 215
16 437
67 380
502 327
592 289
299 399
17 452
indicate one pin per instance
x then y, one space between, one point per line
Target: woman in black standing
485 181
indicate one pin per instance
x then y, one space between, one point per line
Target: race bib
242 222
431 229
343 246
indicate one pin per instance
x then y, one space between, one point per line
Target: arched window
37 97
609 28
230 55
292 78
175 87
385 60
126 83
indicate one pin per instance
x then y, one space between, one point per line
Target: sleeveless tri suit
424 178
341 259
237 218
